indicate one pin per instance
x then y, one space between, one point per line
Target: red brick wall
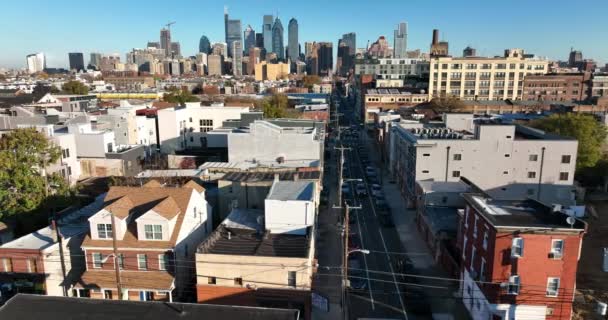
130 259
19 259
533 268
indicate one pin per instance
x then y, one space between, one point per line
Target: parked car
345 188
376 189
356 275
370 171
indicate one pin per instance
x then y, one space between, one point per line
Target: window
482 270
457 157
425 171
110 148
32 265
190 119
466 217
473 249
531 174
7 264
485 240
142 262
563 176
153 231
238 281
513 287
107 294
557 248
97 257
121 261
507 155
104 231
517 247
163 261
426 154
475 227
291 278
533 157
552 286
566 158
211 280
464 247
456 174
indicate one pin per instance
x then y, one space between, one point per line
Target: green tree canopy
179 96
275 106
75 87
22 153
590 134
446 104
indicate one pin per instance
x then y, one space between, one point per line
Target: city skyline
120 36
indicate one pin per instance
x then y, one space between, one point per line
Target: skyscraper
267 32
277 39
326 58
233 31
76 61
237 58
259 40
165 41
312 58
153 44
293 47
575 58
400 41
350 39
95 60
345 59
176 50
204 45
254 58
36 62
249 38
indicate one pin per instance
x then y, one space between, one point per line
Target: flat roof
292 190
441 219
520 213
429 186
269 176
24 306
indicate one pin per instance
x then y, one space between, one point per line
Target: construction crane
168 25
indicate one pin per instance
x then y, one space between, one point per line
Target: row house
150 234
519 258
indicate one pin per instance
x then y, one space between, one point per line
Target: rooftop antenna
571 220
225 9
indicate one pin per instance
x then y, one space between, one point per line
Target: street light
364 251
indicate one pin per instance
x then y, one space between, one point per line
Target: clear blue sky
544 27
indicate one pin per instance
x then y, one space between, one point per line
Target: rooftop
269 176
242 233
429 186
25 306
292 190
441 219
520 213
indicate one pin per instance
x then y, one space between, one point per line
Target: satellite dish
571 221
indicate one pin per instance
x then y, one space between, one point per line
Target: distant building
76 61
267 32
350 39
234 32
599 86
326 58
165 41
382 100
249 38
380 49
204 46
215 64
438 48
469 52
345 60
557 87
219 48
277 39
575 58
36 62
259 40
176 50
392 69
237 58
153 44
95 60
400 41
312 58
255 57
271 71
293 46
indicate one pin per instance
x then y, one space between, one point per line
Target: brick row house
519 258
157 230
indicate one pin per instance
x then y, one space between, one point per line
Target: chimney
276 177
435 36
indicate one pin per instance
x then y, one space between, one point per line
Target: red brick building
519 259
557 87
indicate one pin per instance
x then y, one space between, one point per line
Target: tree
179 96
309 81
584 128
75 87
446 104
275 106
22 188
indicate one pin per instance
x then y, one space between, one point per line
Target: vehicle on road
370 171
376 189
356 275
361 190
345 188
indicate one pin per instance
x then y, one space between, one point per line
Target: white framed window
97 257
533 157
142 262
482 270
557 248
466 217
464 247
457 157
153 231
517 247
7 264
552 286
514 283
473 249
121 261
475 227
104 231
163 261
485 240
32 265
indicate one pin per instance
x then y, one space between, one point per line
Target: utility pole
59 239
116 265
347 209
340 178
